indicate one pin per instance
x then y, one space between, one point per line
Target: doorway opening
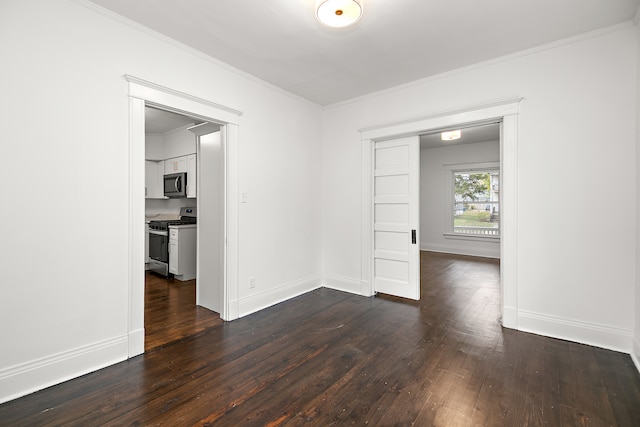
407 133
183 202
460 192
143 94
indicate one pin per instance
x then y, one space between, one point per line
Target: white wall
154 146
435 193
575 268
65 120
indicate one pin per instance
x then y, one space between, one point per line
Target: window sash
468 217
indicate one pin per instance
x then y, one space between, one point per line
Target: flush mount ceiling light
451 136
338 13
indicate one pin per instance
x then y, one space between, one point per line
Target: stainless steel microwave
175 185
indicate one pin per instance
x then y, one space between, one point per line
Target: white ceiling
470 135
395 42
160 121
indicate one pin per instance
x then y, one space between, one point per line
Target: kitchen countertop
184 226
161 217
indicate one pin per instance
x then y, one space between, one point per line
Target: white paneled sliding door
396 217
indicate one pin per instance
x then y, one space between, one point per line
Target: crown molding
479 65
148 31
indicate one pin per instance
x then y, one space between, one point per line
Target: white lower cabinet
174 257
182 251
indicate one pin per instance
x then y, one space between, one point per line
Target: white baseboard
510 318
582 332
635 353
462 250
233 312
259 301
25 378
346 284
136 342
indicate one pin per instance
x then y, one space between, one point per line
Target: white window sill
472 237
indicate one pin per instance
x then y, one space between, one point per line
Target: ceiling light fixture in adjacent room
451 135
338 13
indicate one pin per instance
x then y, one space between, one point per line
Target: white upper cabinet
182 164
153 171
175 165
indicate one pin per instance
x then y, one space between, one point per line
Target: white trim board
262 300
571 330
490 112
635 352
341 283
54 369
180 102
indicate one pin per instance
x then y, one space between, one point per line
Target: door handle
413 237
175 184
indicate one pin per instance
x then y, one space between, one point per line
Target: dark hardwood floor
331 358
171 313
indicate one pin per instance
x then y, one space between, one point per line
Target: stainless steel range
159 240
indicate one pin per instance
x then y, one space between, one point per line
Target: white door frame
142 93
505 111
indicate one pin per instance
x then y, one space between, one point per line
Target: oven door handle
159 232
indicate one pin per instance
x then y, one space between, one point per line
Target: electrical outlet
252 282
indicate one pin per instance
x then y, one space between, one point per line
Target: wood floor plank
330 358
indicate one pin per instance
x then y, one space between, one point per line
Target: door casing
506 112
143 93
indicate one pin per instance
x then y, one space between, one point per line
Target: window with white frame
476 202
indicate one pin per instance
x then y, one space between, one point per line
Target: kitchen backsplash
168 206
